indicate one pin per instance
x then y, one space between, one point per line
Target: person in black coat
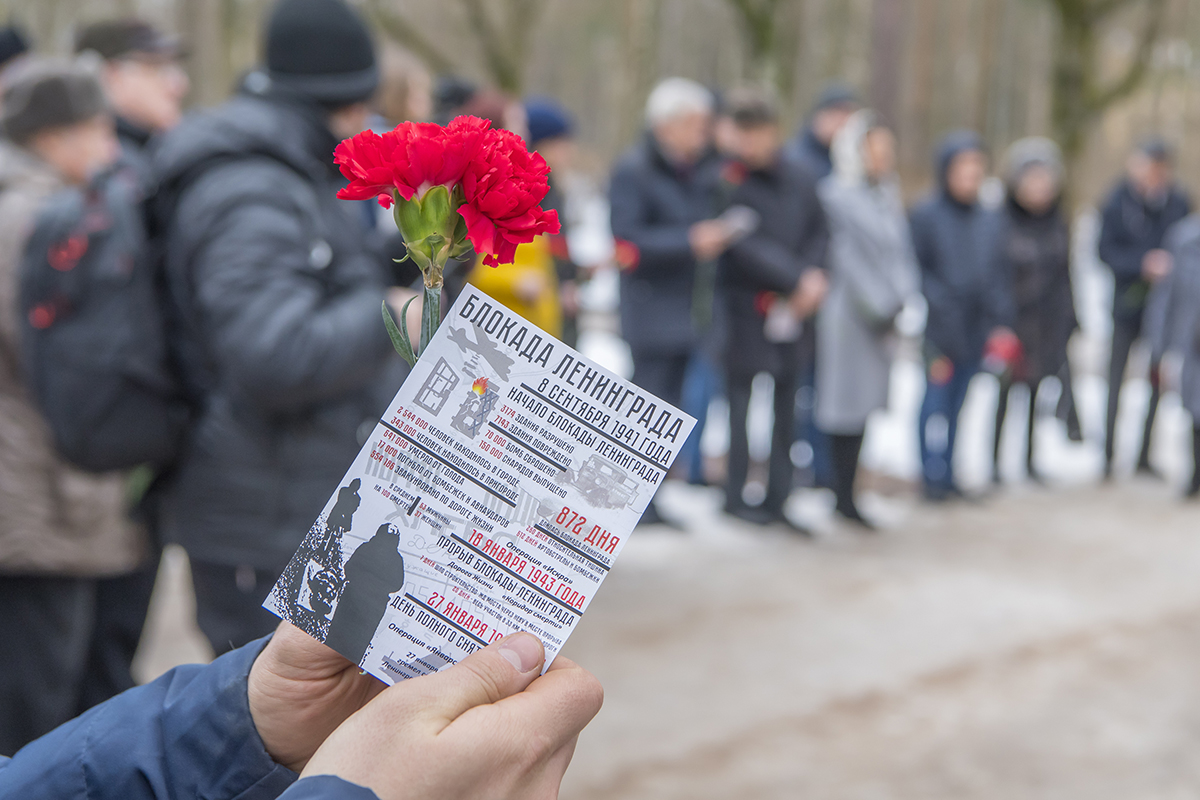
1034 256
772 281
279 306
1134 222
663 199
954 238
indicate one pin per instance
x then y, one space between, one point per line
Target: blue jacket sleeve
664 246
188 734
327 787
1117 247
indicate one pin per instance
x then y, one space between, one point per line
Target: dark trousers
229 602
1125 333
122 604
844 450
701 385
942 404
47 627
779 476
661 374
1194 484
1002 412
71 643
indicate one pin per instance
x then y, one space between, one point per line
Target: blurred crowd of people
254 363
743 252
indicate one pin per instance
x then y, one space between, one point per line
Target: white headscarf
846 150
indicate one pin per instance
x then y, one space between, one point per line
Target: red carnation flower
408 160
494 182
503 186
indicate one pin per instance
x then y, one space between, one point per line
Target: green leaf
398 335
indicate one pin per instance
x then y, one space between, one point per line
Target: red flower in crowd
408 160
503 188
499 183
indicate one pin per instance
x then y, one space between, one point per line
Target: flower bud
432 228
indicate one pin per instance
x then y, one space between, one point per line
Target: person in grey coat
872 273
1173 324
278 300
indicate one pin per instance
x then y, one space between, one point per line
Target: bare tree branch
1138 67
490 39
1100 9
403 32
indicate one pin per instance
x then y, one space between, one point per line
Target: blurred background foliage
1094 74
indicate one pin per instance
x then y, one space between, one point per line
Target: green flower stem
431 314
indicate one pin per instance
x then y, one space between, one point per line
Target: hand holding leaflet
493 497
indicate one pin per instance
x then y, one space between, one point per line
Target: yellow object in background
528 286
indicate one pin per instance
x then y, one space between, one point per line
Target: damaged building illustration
436 390
473 413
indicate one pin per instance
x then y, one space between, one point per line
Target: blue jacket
955 246
654 204
1130 227
186 736
808 151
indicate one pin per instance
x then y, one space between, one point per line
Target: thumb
488 676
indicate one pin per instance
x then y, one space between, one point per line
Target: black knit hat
120 38
321 49
50 93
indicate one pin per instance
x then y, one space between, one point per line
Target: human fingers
299 691
487 676
550 712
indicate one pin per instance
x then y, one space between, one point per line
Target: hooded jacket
872 272
1130 227
654 204
1034 258
280 337
954 244
54 519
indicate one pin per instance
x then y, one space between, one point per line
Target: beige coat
54 520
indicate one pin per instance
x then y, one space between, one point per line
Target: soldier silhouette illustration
374 571
343 510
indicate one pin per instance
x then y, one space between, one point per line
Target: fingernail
523 651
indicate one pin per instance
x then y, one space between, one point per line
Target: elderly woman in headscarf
1034 261
872 273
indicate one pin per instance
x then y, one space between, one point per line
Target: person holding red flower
772 282
663 195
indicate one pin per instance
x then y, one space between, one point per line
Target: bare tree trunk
1079 97
203 25
887 53
915 145
990 31
640 25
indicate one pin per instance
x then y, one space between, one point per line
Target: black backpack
94 333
